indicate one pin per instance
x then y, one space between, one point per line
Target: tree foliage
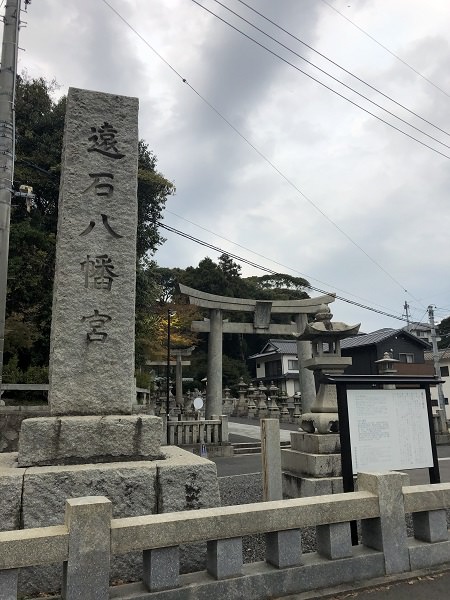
444 333
39 136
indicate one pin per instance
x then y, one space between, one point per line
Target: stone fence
191 434
90 536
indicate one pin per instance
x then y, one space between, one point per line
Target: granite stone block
161 568
315 443
334 540
224 558
8 584
86 572
92 337
284 548
430 525
11 479
315 465
89 439
388 532
424 555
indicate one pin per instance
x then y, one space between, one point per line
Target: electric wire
272 272
334 63
305 275
328 87
323 71
259 152
386 48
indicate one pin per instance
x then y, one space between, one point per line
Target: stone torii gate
262 311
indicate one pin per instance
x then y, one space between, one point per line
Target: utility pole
8 75
437 370
406 310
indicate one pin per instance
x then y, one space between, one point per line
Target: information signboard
389 429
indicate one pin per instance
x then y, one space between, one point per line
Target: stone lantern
386 364
325 337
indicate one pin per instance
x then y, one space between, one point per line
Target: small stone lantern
325 338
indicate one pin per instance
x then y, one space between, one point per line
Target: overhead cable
249 37
272 272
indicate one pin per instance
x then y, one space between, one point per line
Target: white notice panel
389 430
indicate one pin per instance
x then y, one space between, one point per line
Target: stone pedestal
312 466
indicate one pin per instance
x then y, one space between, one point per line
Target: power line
343 68
305 275
261 154
327 86
386 48
271 271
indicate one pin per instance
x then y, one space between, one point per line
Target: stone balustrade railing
193 433
90 536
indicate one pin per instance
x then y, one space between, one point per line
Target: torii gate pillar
214 372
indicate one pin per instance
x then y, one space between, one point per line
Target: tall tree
39 135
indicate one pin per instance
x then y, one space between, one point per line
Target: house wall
363 358
401 345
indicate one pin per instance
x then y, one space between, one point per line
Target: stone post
214 374
92 337
388 532
86 573
306 377
271 460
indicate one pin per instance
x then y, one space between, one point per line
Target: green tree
444 333
39 135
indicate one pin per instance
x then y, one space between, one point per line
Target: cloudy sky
299 180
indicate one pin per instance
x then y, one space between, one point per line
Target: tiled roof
428 354
368 338
379 336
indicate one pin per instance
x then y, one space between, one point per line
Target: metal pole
168 365
437 370
8 74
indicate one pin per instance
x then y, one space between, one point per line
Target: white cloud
388 193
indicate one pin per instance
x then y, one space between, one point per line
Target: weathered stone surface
284 548
161 568
334 541
92 339
130 487
431 526
11 418
89 439
224 558
388 532
86 573
297 486
8 584
271 459
10 492
315 443
423 555
316 465
186 481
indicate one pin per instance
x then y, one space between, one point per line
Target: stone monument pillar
92 337
92 444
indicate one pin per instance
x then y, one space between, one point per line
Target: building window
293 365
258 365
273 368
444 371
406 358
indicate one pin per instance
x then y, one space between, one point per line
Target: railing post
161 568
284 548
86 572
224 429
388 532
224 558
8 584
334 540
430 525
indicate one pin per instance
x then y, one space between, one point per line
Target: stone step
253 447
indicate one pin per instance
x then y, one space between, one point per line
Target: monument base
36 496
89 439
312 466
